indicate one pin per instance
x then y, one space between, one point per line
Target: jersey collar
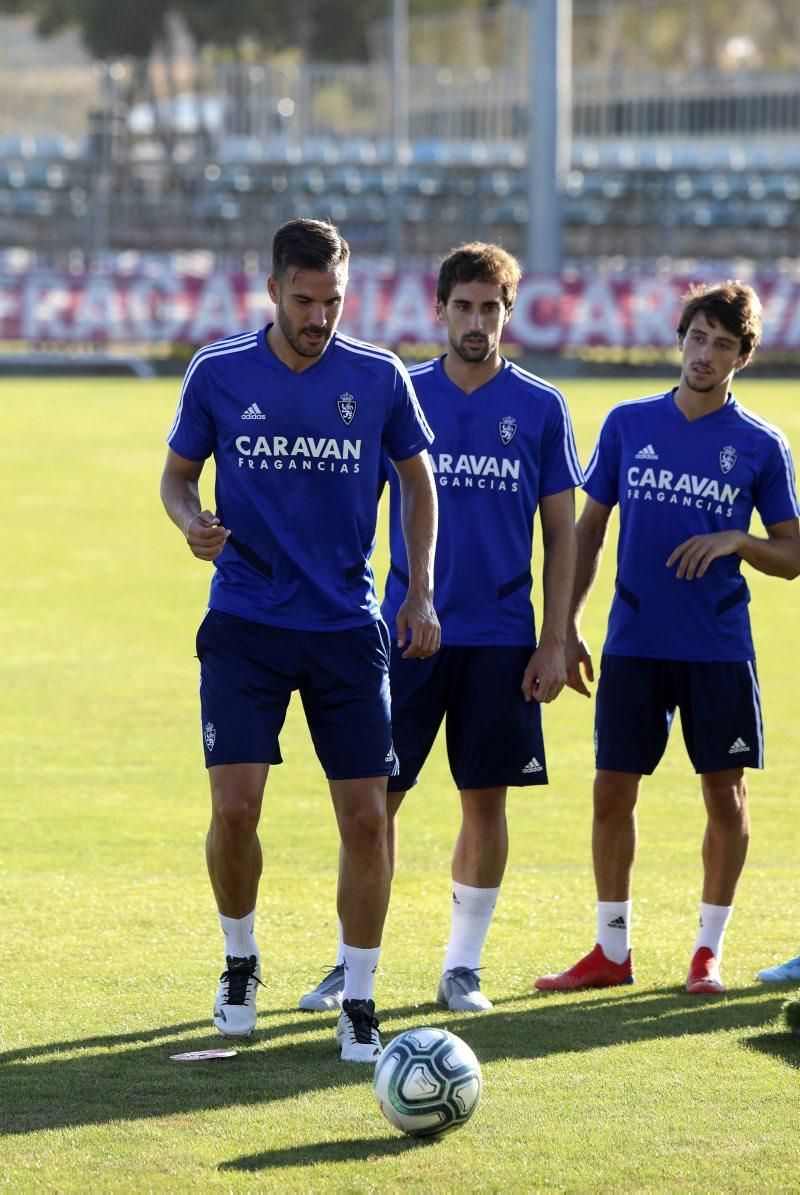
482 391
278 366
722 412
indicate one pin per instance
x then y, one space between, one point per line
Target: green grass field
111 948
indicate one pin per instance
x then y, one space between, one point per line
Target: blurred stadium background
148 152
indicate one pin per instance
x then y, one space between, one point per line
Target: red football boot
594 970
704 977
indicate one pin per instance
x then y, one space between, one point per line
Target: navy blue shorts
248 671
494 736
720 707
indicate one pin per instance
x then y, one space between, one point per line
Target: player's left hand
418 617
694 555
546 673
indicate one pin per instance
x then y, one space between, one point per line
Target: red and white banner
168 306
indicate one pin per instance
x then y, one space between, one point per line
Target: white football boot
357 1032
235 1005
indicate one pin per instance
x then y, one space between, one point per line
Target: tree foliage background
608 35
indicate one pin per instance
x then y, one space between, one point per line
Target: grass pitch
111 947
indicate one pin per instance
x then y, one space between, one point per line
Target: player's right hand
578 656
418 627
205 535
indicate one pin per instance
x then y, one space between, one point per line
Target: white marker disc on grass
202 1055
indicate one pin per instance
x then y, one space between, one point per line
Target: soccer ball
427 1081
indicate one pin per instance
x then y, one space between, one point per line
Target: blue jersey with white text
297 461
674 478
499 451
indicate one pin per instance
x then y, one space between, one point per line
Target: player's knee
484 820
236 813
726 803
363 828
614 797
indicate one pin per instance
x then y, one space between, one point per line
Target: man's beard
295 339
481 352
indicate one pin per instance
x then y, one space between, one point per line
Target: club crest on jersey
210 735
347 408
508 426
727 459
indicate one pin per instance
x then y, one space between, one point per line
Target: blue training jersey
674 478
297 463
499 451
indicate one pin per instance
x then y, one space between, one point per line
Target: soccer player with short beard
298 418
687 468
504 452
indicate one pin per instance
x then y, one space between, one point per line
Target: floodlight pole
399 92
549 129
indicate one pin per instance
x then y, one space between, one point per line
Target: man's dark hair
479 262
308 245
733 305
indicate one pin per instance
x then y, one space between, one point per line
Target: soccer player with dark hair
504 450
297 418
687 468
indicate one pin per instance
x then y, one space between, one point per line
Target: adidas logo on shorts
533 766
737 747
253 412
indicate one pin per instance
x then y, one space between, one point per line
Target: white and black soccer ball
427 1081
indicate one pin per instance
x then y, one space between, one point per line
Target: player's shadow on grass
572 1023
131 1077
784 1046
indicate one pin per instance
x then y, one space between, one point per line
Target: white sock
340 947
360 966
238 931
469 924
614 928
713 923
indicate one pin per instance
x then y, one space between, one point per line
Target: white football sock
614 928
360 966
471 917
713 923
238 931
340 947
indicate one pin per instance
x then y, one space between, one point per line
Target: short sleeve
406 431
601 475
560 465
193 433
776 491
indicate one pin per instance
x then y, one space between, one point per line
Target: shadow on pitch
784 1046
131 1077
362 1150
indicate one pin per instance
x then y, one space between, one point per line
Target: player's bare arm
590 534
181 497
777 556
419 515
546 673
